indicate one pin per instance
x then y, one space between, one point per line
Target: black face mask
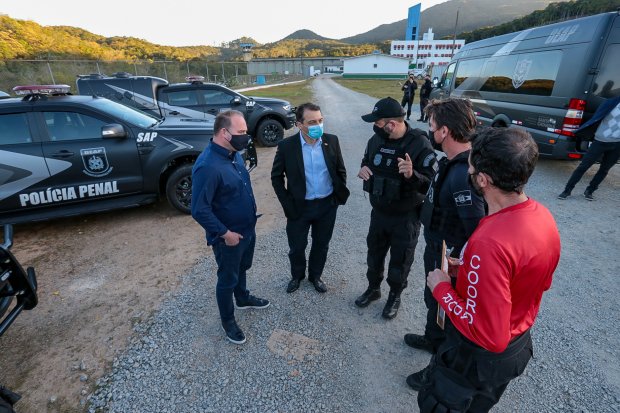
239 142
434 144
474 185
382 133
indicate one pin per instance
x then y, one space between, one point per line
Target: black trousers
423 103
464 377
407 101
397 234
320 215
432 260
607 152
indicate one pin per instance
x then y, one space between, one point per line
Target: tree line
554 12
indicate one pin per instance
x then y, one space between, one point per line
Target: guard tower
246 48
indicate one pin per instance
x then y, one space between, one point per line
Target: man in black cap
397 169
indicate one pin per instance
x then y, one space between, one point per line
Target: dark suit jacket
288 165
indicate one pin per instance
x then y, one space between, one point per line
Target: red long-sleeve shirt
508 263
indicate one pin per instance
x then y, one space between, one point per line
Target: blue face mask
315 131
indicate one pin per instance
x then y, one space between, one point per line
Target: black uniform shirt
452 209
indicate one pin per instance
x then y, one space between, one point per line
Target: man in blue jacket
223 204
605 146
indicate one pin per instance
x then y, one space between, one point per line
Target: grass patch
378 88
297 93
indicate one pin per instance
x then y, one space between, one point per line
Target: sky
200 22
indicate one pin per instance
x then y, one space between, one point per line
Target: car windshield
121 112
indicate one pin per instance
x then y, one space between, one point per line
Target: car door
216 99
100 167
183 102
24 172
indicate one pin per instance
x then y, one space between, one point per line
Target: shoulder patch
430 158
462 198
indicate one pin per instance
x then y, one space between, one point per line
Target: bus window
524 74
468 74
446 79
607 84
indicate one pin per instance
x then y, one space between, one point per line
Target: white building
375 65
426 52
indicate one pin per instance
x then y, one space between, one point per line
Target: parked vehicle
267 118
18 292
548 79
63 155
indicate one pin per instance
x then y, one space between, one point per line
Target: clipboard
441 314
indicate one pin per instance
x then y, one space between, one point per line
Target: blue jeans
607 152
232 265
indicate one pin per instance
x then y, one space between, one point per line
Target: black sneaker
252 302
417 380
588 195
418 341
233 332
565 194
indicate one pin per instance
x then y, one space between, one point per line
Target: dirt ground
98 275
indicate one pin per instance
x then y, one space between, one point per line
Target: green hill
473 14
22 39
553 12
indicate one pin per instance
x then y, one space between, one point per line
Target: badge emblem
522 69
377 160
95 162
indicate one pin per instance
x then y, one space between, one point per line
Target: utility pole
454 37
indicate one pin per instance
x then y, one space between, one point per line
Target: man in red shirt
504 269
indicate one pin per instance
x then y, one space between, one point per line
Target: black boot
391 306
371 294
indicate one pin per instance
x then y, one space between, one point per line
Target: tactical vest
386 182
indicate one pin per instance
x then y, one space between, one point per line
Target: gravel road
312 352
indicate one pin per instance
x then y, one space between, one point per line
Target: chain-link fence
22 72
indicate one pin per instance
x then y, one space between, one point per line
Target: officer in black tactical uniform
397 169
451 210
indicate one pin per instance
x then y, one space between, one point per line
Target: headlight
286 107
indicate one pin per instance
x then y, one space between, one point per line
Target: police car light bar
41 89
192 79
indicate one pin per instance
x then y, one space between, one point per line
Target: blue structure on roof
413 22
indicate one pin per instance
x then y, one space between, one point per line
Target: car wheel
179 188
269 132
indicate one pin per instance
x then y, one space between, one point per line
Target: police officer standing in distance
507 265
451 210
397 169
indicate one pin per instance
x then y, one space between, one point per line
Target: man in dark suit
310 180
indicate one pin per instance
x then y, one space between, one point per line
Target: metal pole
223 76
135 67
51 73
207 65
455 24
98 70
187 64
165 71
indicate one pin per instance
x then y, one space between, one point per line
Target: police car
267 118
63 155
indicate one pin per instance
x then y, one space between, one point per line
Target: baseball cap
385 108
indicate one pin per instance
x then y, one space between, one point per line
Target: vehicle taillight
573 118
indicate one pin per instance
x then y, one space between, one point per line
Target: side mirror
113 130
